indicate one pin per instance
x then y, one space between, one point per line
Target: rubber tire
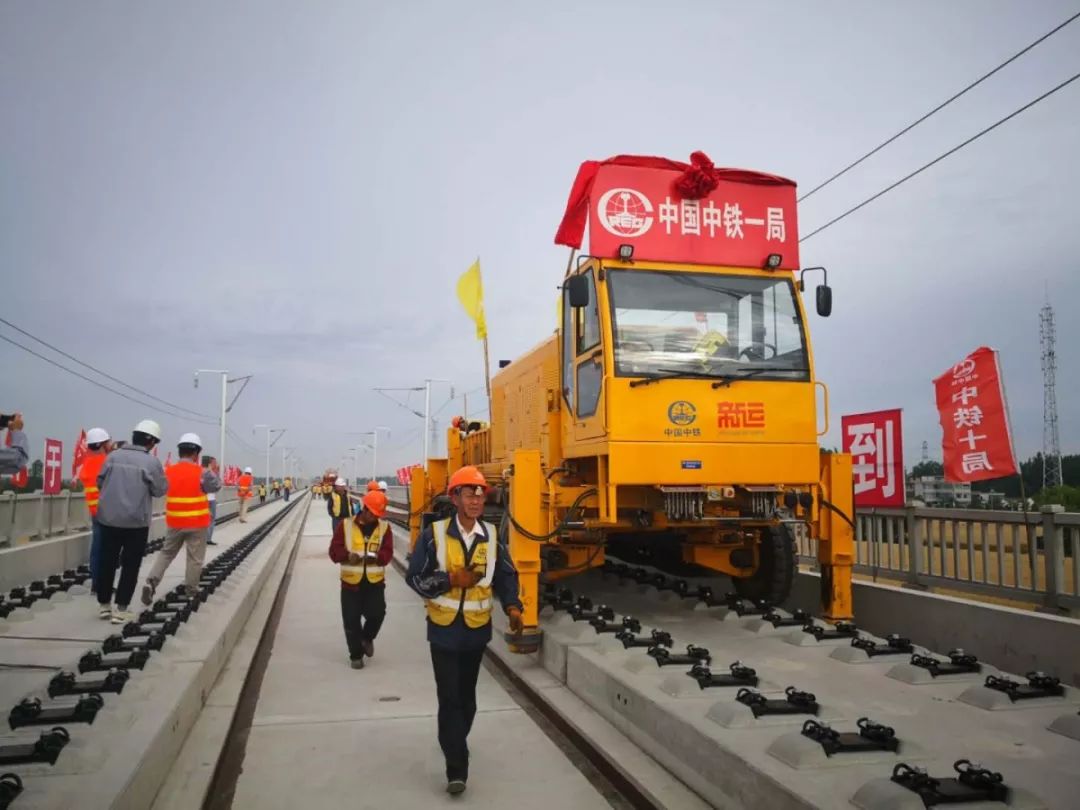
772 580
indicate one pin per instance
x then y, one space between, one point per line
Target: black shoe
357 663
369 647
211 543
455 787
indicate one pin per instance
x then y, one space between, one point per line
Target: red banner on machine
54 460
668 210
976 441
736 223
875 442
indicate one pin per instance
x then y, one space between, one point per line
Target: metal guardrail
35 516
1029 557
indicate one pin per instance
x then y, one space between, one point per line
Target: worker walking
187 516
363 546
456 566
288 488
243 492
262 494
129 481
210 463
97 446
339 506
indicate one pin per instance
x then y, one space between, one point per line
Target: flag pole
487 374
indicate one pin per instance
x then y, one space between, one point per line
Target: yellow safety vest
368 549
335 500
474 602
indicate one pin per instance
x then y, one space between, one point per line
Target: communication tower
1051 440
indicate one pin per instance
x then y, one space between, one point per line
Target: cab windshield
695 324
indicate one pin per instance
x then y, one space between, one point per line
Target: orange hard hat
457 421
372 486
375 502
467 476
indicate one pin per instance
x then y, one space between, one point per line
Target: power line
941 157
939 107
107 376
95 382
243 443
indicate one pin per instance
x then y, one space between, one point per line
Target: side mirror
577 289
824 300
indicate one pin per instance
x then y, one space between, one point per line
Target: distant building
933 490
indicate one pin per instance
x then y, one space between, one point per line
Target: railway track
752 705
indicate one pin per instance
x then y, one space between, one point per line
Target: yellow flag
470 292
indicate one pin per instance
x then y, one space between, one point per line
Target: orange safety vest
186 505
91 466
245 485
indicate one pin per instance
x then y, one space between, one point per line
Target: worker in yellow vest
187 516
363 546
243 492
457 566
340 504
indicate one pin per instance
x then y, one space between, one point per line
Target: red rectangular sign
875 442
54 472
737 224
976 441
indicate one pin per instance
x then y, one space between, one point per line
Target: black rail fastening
971 784
793 702
1039 685
870 736
959 663
738 675
65 683
31 712
894 645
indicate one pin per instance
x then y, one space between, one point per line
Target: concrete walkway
327 736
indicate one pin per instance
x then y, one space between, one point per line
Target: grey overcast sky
290 189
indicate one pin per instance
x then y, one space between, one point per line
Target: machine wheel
772 580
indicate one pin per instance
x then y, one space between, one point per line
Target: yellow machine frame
542 458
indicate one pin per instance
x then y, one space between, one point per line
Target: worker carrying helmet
243 492
339 506
363 546
98 445
458 564
187 516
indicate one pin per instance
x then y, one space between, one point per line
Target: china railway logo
625 212
682 413
740 415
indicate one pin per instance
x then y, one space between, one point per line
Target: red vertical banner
876 444
81 449
54 462
976 441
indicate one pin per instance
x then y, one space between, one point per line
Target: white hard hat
191 438
382 485
247 469
340 482
150 428
96 436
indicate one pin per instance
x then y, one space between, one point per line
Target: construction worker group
120 481
458 565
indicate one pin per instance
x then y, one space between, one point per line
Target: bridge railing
32 516
1029 557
